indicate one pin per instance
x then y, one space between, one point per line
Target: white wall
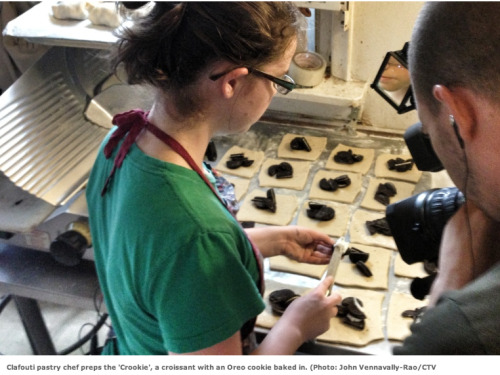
379 27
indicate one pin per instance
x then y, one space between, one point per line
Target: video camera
417 222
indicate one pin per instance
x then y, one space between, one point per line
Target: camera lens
417 222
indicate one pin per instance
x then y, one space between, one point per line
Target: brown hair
171 45
456 44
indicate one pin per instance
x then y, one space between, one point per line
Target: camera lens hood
421 149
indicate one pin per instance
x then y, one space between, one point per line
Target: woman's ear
231 81
460 104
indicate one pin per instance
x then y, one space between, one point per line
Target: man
454 63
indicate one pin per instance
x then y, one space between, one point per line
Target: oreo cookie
320 212
282 170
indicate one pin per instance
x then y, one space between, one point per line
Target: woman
178 273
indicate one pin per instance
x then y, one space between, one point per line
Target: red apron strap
130 125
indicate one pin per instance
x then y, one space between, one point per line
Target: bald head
456 44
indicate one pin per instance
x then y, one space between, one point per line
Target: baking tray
266 136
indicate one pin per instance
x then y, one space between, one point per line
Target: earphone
461 142
455 128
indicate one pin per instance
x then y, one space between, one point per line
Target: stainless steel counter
30 276
34 274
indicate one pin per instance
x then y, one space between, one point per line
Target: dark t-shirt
465 321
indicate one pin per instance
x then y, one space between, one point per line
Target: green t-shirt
176 270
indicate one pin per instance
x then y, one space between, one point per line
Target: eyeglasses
393 65
282 85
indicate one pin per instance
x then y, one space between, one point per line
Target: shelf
323 5
37 25
333 99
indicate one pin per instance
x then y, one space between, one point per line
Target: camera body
417 222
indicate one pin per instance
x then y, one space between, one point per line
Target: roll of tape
307 68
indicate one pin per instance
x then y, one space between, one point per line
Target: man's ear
460 104
230 82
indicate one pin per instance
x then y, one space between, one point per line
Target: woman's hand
313 311
304 319
298 243
468 249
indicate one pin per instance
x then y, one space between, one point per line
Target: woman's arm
230 346
306 318
298 243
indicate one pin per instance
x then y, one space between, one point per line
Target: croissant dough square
340 333
403 269
240 186
359 232
398 327
346 195
247 172
336 227
297 182
281 263
404 190
267 319
286 205
360 167
383 171
378 262
317 145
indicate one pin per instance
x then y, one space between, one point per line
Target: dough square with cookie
403 190
342 333
304 147
335 227
297 181
242 171
281 263
361 166
342 194
359 232
268 318
240 186
378 262
398 326
286 206
382 168
411 271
